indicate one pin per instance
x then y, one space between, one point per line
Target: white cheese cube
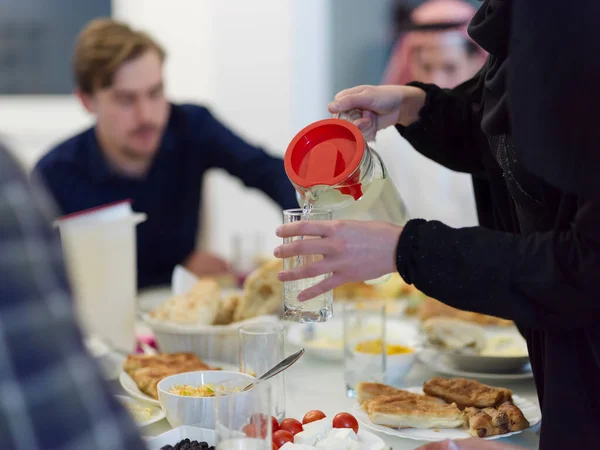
343 433
317 430
294 446
305 438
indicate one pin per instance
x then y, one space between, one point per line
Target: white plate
156 415
531 412
175 435
368 440
329 342
132 389
438 363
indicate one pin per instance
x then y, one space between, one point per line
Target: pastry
454 334
198 306
263 292
416 411
430 307
466 393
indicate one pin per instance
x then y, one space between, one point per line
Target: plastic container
332 167
100 252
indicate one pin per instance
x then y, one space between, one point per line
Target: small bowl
194 411
398 366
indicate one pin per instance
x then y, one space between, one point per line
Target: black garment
540 264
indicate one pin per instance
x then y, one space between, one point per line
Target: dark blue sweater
79 178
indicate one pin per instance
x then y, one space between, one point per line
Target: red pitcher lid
326 152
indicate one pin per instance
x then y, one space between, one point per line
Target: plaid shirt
52 395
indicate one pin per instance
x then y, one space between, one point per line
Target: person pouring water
523 127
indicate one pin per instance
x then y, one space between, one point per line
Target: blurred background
266 68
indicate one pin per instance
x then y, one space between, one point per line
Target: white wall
260 65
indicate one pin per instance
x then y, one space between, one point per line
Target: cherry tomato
274 424
313 416
345 420
280 437
273 446
291 425
257 426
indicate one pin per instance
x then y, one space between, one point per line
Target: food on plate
205 305
205 390
140 413
189 445
316 432
199 305
262 292
281 437
367 391
505 346
147 370
345 420
430 307
466 393
447 403
394 288
413 411
292 425
227 307
516 418
313 416
375 347
454 334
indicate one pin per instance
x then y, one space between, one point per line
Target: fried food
430 307
148 370
516 419
411 410
199 305
454 334
263 292
466 393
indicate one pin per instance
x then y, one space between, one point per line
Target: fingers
305 247
442 445
309 271
305 228
350 91
320 288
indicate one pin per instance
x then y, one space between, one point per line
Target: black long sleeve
544 280
449 127
554 91
548 278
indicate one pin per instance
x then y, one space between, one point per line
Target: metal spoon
277 369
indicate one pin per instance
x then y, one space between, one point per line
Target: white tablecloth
316 384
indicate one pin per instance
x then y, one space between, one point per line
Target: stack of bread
204 303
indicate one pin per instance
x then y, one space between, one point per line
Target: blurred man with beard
150 151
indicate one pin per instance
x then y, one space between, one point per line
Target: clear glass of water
365 357
243 418
318 309
262 346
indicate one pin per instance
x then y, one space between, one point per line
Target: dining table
313 383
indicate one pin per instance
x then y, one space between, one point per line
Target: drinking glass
247 250
262 346
318 309
364 343
243 418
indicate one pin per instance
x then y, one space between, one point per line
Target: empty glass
318 309
247 251
243 418
262 346
364 343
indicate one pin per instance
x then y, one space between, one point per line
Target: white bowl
194 411
211 342
398 366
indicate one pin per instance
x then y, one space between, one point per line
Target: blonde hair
102 47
